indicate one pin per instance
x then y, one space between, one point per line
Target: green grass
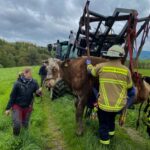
145 72
53 124
65 118
35 138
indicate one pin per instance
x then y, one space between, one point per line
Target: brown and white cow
74 73
142 92
142 88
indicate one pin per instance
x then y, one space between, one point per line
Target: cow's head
53 72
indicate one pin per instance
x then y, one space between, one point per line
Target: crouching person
21 100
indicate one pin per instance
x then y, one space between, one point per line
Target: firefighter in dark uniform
114 83
43 72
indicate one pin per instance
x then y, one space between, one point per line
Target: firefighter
114 81
21 100
58 50
70 43
43 72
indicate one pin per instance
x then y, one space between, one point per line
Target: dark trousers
106 124
42 79
20 117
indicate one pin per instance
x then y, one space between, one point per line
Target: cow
142 92
147 79
142 88
74 73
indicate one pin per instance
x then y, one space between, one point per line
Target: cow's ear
66 63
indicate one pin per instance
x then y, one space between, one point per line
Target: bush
1 66
21 54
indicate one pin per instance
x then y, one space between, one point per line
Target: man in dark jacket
43 72
58 50
21 100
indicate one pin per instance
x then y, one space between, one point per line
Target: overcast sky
45 21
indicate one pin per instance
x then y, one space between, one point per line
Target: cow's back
75 71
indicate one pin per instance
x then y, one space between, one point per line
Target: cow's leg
79 114
76 102
51 93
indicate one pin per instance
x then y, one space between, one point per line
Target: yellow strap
104 94
107 142
108 80
112 133
109 108
114 70
120 97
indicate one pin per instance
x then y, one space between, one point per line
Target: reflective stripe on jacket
114 79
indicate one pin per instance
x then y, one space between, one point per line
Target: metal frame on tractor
102 38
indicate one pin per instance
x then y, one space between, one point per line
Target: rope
87 28
131 37
144 36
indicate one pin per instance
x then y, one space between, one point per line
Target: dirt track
55 141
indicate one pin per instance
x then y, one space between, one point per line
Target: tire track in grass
134 135
55 139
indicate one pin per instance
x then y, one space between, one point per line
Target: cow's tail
139 115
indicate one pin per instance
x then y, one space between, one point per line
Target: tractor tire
59 90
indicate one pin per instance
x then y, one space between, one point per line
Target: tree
21 53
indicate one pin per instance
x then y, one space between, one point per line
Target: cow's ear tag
66 64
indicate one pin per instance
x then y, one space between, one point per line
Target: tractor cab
63 50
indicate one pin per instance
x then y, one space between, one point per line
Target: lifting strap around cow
131 38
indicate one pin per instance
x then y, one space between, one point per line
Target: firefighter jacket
114 81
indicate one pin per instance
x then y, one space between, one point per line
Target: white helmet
115 51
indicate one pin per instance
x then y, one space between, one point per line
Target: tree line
28 54
142 64
21 54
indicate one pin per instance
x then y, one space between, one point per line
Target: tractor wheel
59 90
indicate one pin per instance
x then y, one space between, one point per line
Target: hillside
21 54
145 55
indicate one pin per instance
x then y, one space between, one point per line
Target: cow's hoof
79 132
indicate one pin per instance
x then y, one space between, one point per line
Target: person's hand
40 89
7 112
88 61
39 92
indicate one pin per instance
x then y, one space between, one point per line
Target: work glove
88 61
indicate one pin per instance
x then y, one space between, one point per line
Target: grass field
53 124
